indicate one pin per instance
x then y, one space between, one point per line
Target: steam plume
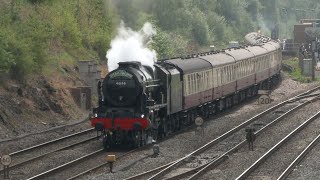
129 45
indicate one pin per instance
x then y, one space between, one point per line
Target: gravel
31 139
242 160
309 167
279 161
185 143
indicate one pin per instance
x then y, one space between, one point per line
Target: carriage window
231 69
192 83
222 75
252 66
229 74
245 68
189 84
185 80
232 73
238 70
215 77
208 80
198 81
195 83
242 68
249 66
204 81
225 74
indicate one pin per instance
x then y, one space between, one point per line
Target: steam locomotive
139 104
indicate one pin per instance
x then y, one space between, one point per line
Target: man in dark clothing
251 137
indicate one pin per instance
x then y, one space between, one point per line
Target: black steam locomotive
138 104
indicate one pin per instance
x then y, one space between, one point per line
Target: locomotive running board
157 106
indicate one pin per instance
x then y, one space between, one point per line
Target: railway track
194 173
56 170
102 164
83 165
233 151
304 165
80 165
98 156
27 156
274 154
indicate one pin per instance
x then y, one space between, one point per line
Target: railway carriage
178 90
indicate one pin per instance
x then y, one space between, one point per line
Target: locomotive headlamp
142 115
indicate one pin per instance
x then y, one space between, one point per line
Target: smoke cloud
129 45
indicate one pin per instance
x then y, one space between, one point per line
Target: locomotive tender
139 104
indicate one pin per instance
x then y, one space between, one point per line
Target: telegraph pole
285 14
314 47
315 50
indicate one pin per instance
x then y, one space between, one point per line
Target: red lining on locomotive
123 123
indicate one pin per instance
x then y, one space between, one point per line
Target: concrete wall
82 96
90 74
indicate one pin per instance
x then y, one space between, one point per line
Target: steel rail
306 96
148 172
294 163
227 134
47 153
103 164
143 147
213 142
46 173
262 159
307 92
50 142
224 156
85 157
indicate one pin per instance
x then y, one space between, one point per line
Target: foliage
297 72
161 44
35 32
206 22
38 34
5 55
